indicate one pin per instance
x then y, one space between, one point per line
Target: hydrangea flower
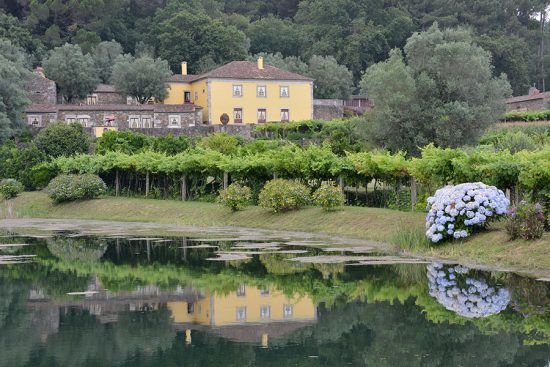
456 211
467 296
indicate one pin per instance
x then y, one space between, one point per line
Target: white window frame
259 88
38 119
241 291
281 88
288 311
265 312
258 115
91 99
134 122
69 119
150 123
174 117
84 120
281 114
240 313
239 88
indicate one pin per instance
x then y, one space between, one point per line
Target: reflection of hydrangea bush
456 211
467 296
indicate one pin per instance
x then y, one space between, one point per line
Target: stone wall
110 98
328 109
41 90
539 104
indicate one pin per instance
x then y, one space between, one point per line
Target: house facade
533 101
246 92
104 109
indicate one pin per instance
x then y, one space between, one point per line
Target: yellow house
247 92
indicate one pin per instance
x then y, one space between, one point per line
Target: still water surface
71 300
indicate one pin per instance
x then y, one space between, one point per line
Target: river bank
392 230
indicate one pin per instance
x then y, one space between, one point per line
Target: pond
69 298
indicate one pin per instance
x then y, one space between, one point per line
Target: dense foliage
61 139
328 196
281 195
10 188
75 187
428 96
525 221
235 197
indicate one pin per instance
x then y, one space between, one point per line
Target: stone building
534 101
328 109
104 108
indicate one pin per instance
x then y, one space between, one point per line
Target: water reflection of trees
77 249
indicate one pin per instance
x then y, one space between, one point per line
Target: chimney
184 68
40 71
260 63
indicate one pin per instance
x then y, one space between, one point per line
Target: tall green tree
444 92
191 36
13 99
74 73
331 80
142 78
105 55
272 35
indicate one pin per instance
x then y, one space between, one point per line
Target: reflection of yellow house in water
249 314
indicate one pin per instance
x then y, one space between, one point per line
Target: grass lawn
403 230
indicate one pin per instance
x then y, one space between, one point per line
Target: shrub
283 195
75 187
235 197
329 197
457 211
61 139
10 188
525 221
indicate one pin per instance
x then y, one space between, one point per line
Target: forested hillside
357 34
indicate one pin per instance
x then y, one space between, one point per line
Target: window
196 96
91 99
241 313
241 291
283 91
84 120
238 115
265 312
261 91
146 122
174 121
284 115
190 308
237 90
264 291
288 310
187 97
262 113
34 120
134 122
70 119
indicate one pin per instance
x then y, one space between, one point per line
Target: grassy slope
399 228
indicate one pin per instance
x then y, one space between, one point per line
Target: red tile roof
41 108
529 97
242 70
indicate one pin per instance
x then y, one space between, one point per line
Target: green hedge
528 116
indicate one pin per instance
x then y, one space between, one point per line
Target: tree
142 78
289 63
274 35
61 139
105 55
189 37
13 98
444 93
331 80
74 73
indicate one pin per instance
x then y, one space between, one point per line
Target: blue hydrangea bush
458 289
458 211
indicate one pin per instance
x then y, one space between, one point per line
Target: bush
235 197
525 221
75 187
61 139
283 195
10 188
458 211
329 197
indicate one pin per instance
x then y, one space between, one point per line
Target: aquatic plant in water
466 295
457 211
